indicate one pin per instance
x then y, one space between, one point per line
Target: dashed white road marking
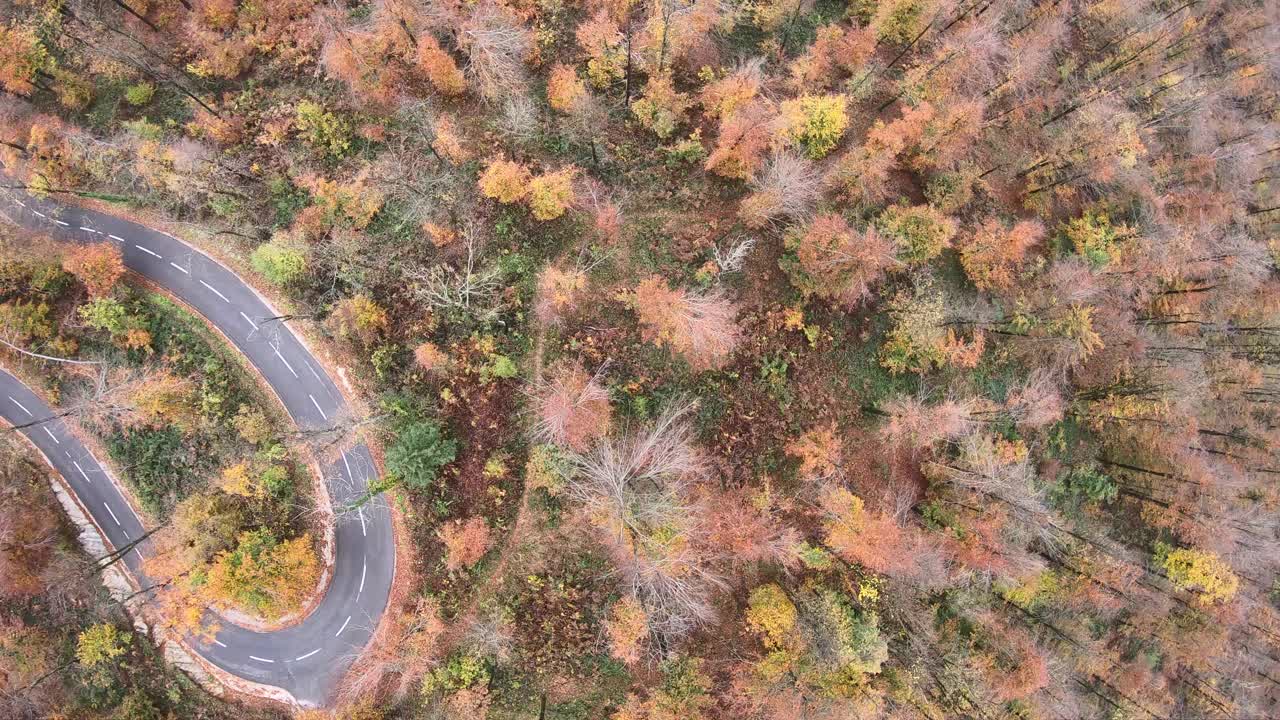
83 474
20 203
87 229
38 213
63 224
214 290
364 569
344 462
313 402
139 554
295 372
176 265
249 320
363 530
147 250
113 514
24 407
117 238
50 434
304 657
344 627
219 643
255 657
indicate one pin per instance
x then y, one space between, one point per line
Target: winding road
307 659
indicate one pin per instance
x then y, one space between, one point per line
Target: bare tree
497 46
636 490
787 187
472 288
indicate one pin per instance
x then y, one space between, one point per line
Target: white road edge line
146 250
344 627
113 514
176 265
82 472
50 434
249 320
214 290
255 657
313 402
313 371
295 372
24 407
304 657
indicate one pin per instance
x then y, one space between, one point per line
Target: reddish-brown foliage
99 266
573 409
699 326
465 542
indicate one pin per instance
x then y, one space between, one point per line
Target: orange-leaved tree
505 180
700 326
573 409
99 266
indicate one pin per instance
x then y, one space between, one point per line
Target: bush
322 129
280 265
139 94
418 453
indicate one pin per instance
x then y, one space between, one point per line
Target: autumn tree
634 491
920 232
164 399
430 357
573 409
627 628
559 292
874 540
815 123
565 91
359 317
505 181
829 259
697 325
439 67
23 58
99 266
745 136
661 107
602 40
496 44
551 194
265 575
992 253
465 542
819 451
723 97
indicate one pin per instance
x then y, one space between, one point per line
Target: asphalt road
306 659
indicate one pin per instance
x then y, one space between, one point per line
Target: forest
749 359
